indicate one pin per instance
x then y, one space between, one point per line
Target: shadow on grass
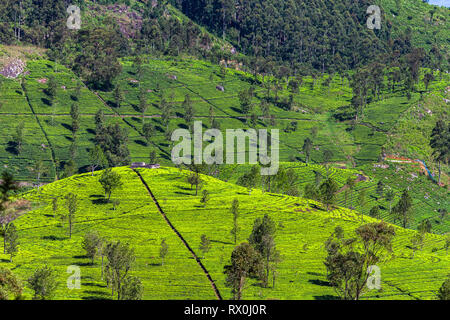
97 295
326 297
54 238
184 193
100 201
140 142
320 283
12 148
46 102
223 242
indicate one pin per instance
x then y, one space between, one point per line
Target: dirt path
213 285
43 131
126 121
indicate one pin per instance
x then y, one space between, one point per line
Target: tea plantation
302 228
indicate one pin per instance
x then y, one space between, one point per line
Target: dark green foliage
402 209
10 285
295 29
246 262
75 115
307 147
131 289
205 244
12 243
113 139
120 258
43 282
71 204
205 197
440 142
235 212
374 212
444 290
110 181
263 239
97 158
18 138
91 243
347 263
163 250
311 192
7 187
425 226
328 190
249 179
148 129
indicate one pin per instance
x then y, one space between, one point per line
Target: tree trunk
241 285
439 179
102 268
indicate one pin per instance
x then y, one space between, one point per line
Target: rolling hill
302 229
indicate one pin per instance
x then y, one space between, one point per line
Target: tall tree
362 202
44 283
246 262
143 105
263 239
440 142
403 208
163 250
120 258
328 190
7 187
91 243
97 158
118 96
235 212
75 115
148 129
348 260
188 110
444 290
39 169
12 244
205 244
110 181
18 137
307 147
350 184
10 285
131 289
72 205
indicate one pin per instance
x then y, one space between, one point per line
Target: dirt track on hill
213 285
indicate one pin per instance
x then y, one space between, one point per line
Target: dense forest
274 37
313 35
325 35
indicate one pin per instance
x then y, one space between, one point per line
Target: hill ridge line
213 285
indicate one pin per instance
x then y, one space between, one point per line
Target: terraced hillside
48 130
428 198
302 229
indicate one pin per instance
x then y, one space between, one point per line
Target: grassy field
301 232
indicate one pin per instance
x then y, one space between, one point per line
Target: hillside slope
301 232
